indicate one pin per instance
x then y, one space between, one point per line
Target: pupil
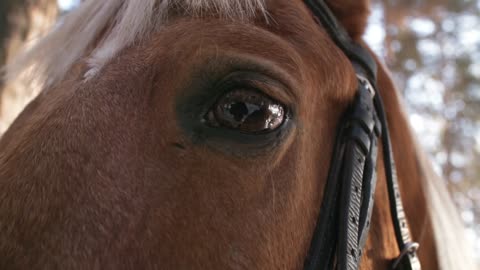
238 110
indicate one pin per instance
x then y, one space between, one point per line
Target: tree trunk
20 21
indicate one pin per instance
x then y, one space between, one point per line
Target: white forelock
121 22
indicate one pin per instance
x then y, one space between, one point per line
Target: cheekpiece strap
344 220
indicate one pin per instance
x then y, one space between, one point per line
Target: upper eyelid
265 84
243 62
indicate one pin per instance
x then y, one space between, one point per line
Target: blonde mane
452 248
120 23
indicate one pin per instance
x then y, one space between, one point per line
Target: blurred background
432 48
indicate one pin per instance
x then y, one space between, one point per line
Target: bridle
342 226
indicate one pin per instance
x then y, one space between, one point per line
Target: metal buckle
409 248
367 84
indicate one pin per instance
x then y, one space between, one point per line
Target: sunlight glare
67 4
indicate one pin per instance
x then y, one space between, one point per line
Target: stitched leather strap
346 209
408 261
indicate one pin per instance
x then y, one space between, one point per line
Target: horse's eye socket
247 111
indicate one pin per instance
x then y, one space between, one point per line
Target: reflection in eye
247 111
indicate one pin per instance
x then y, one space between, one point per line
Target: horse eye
247 111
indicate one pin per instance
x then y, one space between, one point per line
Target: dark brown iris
247 111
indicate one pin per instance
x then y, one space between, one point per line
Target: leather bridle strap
408 259
344 219
343 223
356 53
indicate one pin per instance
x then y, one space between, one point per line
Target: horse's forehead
116 24
111 25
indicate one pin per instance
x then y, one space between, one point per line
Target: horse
198 134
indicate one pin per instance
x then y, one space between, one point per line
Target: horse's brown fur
101 175
352 14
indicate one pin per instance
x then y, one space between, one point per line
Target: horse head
191 135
